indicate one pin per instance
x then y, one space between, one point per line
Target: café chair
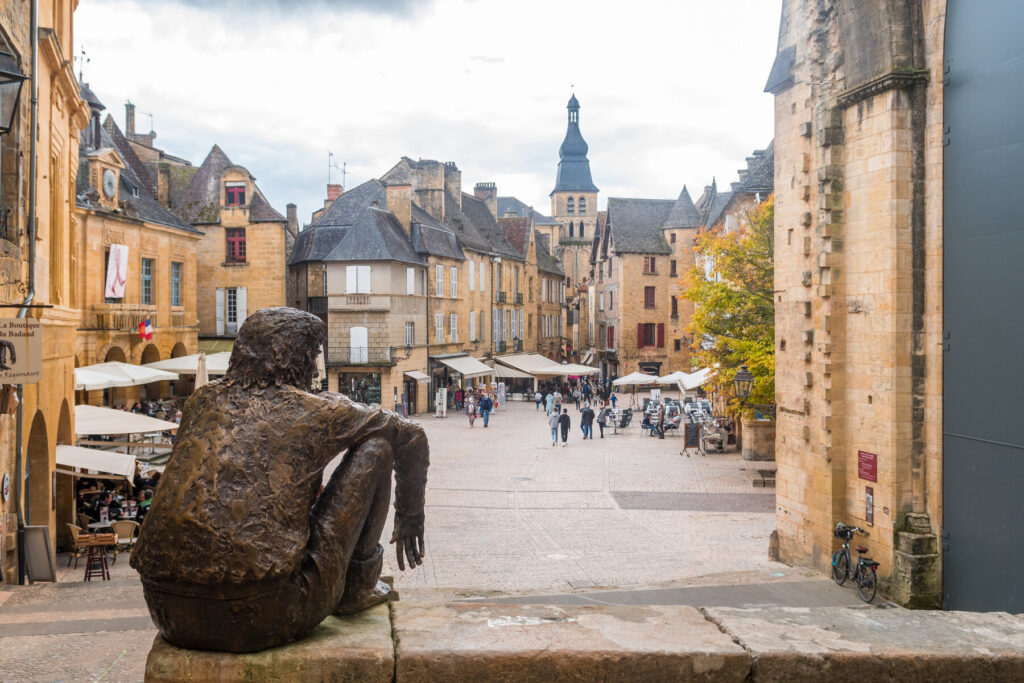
127 533
80 541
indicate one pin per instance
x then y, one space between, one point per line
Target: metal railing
362 355
499 346
517 345
123 316
500 297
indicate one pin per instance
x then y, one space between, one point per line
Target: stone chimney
399 198
293 218
453 183
129 119
488 193
334 191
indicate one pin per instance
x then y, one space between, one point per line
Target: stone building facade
114 207
858 248
47 409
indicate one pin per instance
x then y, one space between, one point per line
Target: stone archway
113 397
37 471
156 390
65 482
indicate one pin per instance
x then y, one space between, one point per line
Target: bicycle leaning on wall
864 574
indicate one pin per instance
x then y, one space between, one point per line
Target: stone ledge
436 641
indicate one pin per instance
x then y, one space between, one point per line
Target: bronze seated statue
241 550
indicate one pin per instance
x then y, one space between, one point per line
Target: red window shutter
661 335
640 335
611 336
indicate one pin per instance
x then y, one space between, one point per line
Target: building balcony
500 346
377 356
358 302
519 298
177 318
122 317
500 297
517 345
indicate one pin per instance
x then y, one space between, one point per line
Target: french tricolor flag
146 330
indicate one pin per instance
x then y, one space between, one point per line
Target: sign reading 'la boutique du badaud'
21 351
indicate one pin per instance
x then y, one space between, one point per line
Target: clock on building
109 183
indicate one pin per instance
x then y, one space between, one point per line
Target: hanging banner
21 351
117 272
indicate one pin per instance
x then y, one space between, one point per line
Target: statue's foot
353 604
363 587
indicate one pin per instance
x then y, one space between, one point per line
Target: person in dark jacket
602 419
564 422
587 421
486 406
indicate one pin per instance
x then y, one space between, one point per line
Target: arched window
570 228
583 205
581 230
571 206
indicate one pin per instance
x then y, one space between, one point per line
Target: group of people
586 396
102 502
476 401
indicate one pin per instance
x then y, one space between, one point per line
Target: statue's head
277 346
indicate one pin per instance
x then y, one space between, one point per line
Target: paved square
506 511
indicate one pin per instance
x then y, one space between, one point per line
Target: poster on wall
21 351
117 272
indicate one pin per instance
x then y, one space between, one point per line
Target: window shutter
472 323
483 325
639 335
661 335
220 311
351 280
472 275
240 307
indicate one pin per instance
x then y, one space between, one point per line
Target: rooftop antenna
82 61
332 163
146 113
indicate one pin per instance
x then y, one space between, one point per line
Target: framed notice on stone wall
867 466
21 351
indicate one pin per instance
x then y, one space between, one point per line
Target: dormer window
234 194
571 205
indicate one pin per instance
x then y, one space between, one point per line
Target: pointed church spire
573 167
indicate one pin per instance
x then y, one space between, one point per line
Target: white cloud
670 89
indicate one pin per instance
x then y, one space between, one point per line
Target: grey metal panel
983 382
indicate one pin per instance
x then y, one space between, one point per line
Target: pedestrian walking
549 401
553 423
587 393
614 400
538 398
602 419
577 396
471 410
486 405
587 421
564 422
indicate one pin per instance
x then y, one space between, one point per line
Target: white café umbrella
125 374
576 369
216 364
87 380
97 420
635 379
673 378
696 379
93 459
202 377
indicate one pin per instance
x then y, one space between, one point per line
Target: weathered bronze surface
240 550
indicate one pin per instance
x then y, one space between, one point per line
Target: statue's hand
408 540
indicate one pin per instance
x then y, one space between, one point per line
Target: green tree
732 287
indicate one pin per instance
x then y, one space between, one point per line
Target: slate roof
200 202
132 192
683 214
376 235
521 209
712 204
347 208
635 224
781 76
430 236
545 262
759 175
128 154
89 96
599 231
477 212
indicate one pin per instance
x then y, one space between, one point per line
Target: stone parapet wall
462 641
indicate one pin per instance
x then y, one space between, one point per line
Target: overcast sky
670 90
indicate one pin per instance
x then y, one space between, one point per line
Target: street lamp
744 382
11 80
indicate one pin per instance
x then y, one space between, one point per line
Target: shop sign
21 351
7 486
867 466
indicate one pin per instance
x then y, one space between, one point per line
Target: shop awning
97 420
107 462
216 364
505 372
635 379
417 375
533 364
467 366
575 369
